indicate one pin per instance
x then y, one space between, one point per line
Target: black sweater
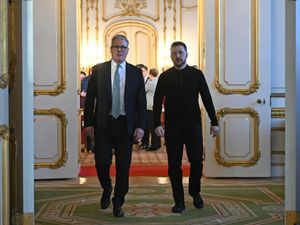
181 89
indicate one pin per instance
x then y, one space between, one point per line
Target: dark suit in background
115 133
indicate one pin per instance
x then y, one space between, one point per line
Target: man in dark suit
114 115
180 87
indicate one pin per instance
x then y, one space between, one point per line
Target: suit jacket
98 103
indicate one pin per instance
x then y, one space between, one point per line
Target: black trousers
117 138
176 136
150 129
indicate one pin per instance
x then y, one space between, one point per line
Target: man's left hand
214 130
138 134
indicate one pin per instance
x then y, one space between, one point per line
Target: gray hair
119 37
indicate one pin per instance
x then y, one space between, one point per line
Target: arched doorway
142 41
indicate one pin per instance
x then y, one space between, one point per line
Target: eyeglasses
117 47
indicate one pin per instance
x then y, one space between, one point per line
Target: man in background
150 136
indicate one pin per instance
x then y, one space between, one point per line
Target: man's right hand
160 131
89 132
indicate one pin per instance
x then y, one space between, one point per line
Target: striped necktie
115 111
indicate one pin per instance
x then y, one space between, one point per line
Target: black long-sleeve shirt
181 89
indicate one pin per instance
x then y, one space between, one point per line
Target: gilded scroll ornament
3 80
131 7
4 132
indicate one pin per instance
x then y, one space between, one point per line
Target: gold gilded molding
201 42
13 171
87 19
12 47
165 22
27 218
278 129
278 112
62 85
170 4
63 119
4 138
174 20
97 22
4 43
4 132
3 80
254 54
256 152
292 217
130 8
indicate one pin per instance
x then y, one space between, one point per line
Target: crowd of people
123 105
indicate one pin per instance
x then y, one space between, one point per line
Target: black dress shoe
198 201
118 211
178 207
105 199
152 149
143 146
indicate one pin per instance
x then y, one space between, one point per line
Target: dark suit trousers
150 129
176 136
116 138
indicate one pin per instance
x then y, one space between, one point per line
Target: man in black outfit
181 86
115 115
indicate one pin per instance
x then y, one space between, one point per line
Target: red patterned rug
135 170
144 163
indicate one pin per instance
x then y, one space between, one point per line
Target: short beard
179 65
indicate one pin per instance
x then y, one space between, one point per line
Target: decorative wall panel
50 130
236 148
49 47
237 44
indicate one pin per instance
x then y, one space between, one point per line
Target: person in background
115 115
144 71
83 87
150 87
180 86
145 141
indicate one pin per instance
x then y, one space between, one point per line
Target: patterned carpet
139 157
151 204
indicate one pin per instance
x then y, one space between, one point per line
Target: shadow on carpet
224 204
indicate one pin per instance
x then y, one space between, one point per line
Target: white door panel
56 101
237 37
